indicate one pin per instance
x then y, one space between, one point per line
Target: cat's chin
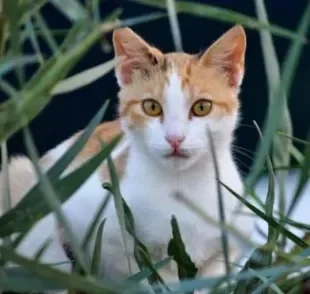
178 163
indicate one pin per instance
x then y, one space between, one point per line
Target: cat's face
169 101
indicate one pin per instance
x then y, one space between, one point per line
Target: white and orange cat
167 102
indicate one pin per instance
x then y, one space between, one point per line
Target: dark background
71 112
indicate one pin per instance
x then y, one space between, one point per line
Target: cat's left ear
227 54
134 54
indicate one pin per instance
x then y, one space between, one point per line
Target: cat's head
168 101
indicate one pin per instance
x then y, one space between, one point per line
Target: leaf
96 260
24 216
72 9
48 36
275 110
270 220
223 15
84 78
146 272
9 62
56 279
50 196
176 249
259 259
118 203
303 180
221 208
93 225
16 113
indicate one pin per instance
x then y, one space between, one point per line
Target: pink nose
175 141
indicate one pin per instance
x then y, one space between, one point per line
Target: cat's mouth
177 154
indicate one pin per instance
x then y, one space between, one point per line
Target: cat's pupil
201 106
153 106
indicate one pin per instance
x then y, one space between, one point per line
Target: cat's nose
175 141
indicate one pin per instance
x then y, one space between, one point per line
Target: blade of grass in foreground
22 217
281 145
221 206
224 15
56 279
50 196
270 220
274 116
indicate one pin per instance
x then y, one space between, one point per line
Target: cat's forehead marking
174 95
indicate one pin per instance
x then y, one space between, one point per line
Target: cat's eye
201 107
151 107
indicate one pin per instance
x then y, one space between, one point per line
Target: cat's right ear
133 54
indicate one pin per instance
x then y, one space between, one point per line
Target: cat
170 107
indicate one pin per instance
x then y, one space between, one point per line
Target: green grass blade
269 220
269 203
47 33
118 203
224 15
50 196
42 249
176 249
84 78
96 260
58 279
34 40
72 9
275 110
174 25
303 180
8 63
221 209
145 273
297 154
27 212
12 13
5 182
15 114
91 229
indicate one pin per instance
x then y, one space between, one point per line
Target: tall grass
270 265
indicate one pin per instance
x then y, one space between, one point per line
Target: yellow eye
151 107
201 107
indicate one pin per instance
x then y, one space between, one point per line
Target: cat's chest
154 202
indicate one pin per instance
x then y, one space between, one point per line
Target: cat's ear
134 54
227 54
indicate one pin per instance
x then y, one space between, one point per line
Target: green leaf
224 15
72 9
56 279
84 78
9 62
16 113
259 259
221 208
270 220
275 112
24 215
96 260
303 180
118 203
146 272
51 198
176 249
48 36
91 229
